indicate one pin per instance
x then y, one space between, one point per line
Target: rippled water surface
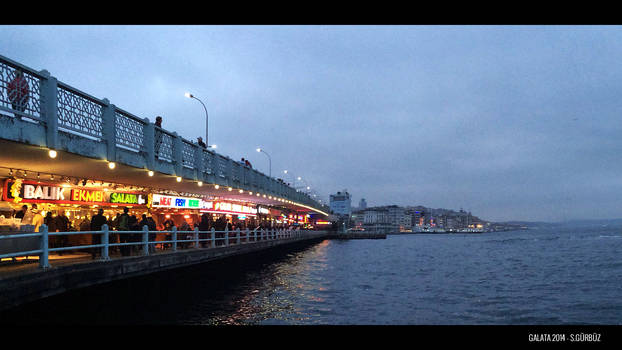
564 275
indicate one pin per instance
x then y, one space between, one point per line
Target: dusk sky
508 122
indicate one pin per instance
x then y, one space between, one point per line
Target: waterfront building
340 203
376 219
362 204
358 219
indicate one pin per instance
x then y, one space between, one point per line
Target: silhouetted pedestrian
200 142
97 221
124 225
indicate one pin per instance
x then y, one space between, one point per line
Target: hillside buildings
393 218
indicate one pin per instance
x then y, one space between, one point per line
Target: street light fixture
269 159
189 95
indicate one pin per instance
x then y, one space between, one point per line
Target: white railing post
213 238
261 235
174 237
248 233
237 235
44 261
145 240
226 235
106 242
255 234
196 237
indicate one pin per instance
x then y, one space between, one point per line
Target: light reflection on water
554 276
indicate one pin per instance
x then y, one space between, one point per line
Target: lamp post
189 95
269 159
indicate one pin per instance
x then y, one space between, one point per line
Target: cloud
513 122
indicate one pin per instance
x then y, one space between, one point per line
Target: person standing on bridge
200 142
20 214
158 136
204 226
124 225
97 221
62 225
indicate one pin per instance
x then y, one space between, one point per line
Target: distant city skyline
509 122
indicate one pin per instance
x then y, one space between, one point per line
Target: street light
269 159
189 95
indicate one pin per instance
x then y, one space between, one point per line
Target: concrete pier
26 286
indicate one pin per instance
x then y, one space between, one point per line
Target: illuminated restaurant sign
162 201
127 198
38 192
228 208
81 195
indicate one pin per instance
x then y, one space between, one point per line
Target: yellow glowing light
111 165
200 183
150 173
178 179
230 189
241 191
216 186
52 153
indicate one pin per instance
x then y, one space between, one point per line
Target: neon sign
226 207
162 201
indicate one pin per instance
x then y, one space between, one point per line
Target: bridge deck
20 284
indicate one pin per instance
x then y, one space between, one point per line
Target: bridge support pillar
198 164
108 130
49 102
149 144
178 155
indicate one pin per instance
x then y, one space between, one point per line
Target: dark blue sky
509 122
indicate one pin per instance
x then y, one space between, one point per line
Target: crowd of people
129 222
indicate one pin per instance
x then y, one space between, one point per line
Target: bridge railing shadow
107 244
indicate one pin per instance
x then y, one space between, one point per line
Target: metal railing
145 240
58 106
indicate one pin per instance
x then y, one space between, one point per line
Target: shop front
78 204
